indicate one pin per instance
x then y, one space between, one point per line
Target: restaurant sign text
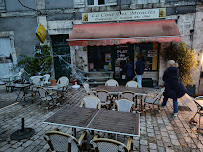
124 15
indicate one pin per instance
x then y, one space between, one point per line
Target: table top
108 88
56 87
72 116
116 122
199 102
18 85
120 89
123 123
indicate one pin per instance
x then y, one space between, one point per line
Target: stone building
19 21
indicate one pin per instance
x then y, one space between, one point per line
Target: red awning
123 33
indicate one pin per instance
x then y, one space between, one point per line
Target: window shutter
2 6
142 1
79 3
110 2
155 1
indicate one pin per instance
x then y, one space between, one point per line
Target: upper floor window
95 2
2 6
101 2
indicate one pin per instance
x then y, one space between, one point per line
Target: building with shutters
103 54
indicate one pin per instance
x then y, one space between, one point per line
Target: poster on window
108 57
91 66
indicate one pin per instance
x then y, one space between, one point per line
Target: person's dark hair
139 56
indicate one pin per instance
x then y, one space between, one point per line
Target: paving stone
5 147
175 142
10 150
19 149
152 146
27 143
143 142
161 149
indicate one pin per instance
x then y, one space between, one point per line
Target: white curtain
5 47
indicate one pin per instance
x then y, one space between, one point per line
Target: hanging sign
124 15
41 33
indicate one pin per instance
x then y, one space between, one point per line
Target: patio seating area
158 131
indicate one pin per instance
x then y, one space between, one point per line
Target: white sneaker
163 107
175 114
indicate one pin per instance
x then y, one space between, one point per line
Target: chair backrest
91 101
111 82
132 83
59 141
102 95
42 93
108 145
124 104
128 94
86 86
46 78
63 81
36 81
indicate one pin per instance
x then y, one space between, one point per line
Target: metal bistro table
103 120
22 88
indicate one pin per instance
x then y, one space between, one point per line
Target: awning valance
123 33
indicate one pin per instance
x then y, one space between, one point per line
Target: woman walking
173 87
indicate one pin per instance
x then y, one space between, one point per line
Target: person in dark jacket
173 87
140 66
128 68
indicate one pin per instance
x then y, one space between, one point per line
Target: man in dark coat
128 68
173 87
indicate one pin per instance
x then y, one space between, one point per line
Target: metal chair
91 101
124 105
36 82
154 98
62 142
87 88
47 97
132 83
109 145
111 82
199 111
63 81
105 97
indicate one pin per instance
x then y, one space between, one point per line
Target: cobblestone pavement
158 131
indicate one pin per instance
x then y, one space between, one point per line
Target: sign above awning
123 33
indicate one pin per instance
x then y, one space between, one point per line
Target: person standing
140 66
128 68
173 87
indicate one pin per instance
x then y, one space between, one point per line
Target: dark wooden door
62 58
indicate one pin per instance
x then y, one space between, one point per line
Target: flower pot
74 81
53 82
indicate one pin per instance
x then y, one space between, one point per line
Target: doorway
62 57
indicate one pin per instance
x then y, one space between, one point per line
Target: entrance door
61 52
120 56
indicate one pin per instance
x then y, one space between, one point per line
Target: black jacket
174 88
140 66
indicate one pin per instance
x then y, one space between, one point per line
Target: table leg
18 95
74 132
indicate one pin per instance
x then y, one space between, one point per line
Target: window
2 6
149 52
101 2
99 58
95 2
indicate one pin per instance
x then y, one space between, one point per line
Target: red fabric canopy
122 33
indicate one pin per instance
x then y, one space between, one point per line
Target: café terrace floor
159 131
